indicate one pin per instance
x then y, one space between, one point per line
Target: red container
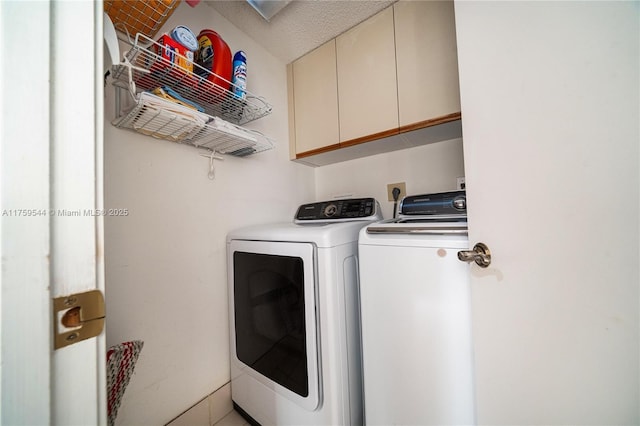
214 55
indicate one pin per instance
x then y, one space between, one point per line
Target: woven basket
121 361
139 16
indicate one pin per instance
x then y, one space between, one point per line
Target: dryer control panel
339 210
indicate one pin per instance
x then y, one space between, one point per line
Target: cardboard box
174 52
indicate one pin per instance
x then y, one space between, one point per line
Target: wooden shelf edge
431 122
381 135
369 138
317 151
446 130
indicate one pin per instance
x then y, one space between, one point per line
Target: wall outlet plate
403 190
460 184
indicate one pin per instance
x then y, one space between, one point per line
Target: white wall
165 261
425 169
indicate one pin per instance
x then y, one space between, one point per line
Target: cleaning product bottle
214 56
239 79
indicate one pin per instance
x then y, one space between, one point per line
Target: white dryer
294 316
416 315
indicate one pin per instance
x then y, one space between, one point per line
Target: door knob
480 254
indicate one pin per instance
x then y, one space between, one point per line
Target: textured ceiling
301 26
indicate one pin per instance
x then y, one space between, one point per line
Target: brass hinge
77 317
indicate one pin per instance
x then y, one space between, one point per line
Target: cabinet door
316 99
368 100
427 60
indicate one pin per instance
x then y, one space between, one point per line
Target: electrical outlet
403 190
460 183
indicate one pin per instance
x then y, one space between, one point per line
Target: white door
51 158
550 111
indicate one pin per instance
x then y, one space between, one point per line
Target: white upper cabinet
427 61
367 93
394 73
315 99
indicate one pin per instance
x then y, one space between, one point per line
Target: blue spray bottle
239 78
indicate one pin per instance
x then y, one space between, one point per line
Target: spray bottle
239 79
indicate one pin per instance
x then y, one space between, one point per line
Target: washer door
272 299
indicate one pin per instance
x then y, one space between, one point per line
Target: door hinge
77 317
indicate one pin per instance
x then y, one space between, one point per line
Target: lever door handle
480 254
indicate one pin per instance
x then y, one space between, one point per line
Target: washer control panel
339 210
442 204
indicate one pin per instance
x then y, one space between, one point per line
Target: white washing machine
416 315
294 316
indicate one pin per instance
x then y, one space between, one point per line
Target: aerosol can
239 79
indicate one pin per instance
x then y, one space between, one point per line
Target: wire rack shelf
151 69
170 102
154 116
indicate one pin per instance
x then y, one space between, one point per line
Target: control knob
330 210
460 203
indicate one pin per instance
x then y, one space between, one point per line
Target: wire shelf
162 119
151 70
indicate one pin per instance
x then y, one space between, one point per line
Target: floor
232 419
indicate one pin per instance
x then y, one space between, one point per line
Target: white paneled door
550 107
51 156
